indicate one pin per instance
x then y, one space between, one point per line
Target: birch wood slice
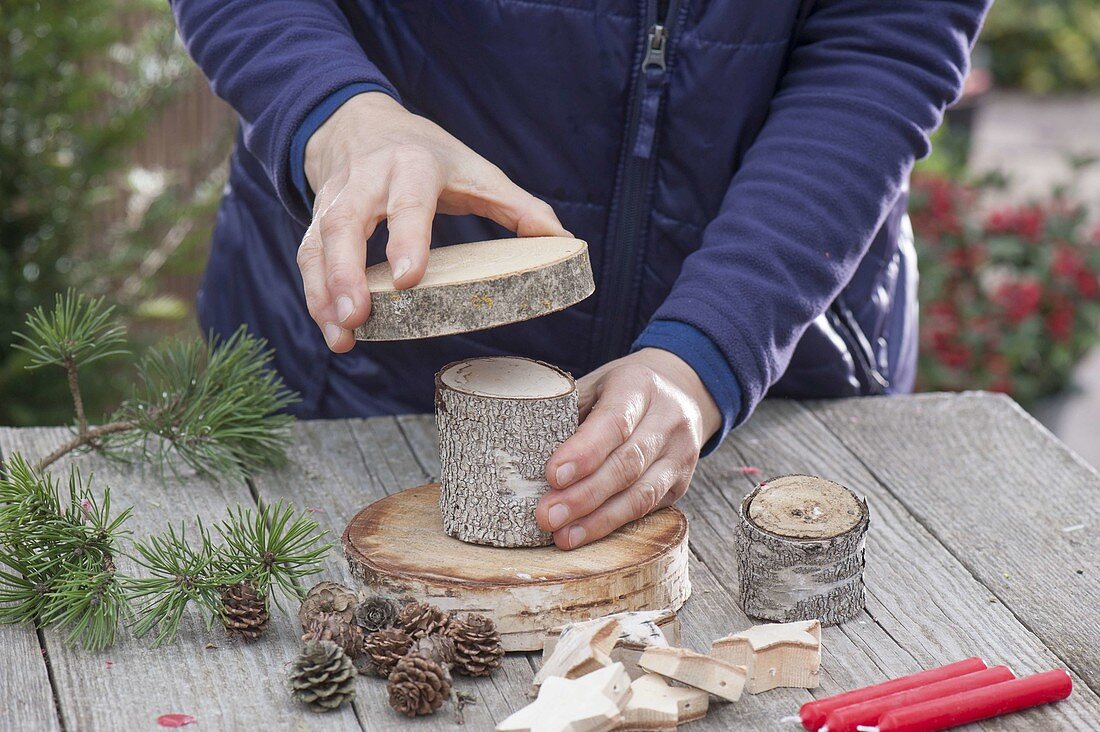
479 285
397 548
800 542
500 419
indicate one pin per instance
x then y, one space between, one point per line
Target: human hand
374 160
644 418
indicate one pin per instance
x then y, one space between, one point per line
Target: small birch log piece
500 418
479 285
800 542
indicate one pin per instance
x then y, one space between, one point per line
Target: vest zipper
623 273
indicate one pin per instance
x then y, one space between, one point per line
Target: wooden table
984 540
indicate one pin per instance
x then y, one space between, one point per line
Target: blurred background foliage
1044 46
94 193
112 154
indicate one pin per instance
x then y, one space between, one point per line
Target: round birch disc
479 285
800 550
396 548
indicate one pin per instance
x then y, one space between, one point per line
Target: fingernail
564 474
344 307
558 515
332 333
576 536
403 265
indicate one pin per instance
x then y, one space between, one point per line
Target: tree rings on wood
396 548
479 285
800 550
500 419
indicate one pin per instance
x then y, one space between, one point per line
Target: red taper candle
847 719
977 704
813 714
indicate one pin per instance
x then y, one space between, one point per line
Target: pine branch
273 547
181 574
216 405
57 558
86 438
76 332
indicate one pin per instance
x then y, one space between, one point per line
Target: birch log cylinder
800 543
479 285
500 419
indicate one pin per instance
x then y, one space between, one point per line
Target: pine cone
328 597
418 686
384 648
438 648
477 645
323 677
333 627
419 619
244 611
376 613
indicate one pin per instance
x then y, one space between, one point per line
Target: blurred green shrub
1045 46
81 83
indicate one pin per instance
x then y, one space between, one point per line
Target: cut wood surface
800 542
776 654
583 649
650 695
637 631
397 548
966 556
590 703
479 285
697 670
500 419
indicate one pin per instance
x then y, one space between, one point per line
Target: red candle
847 719
813 714
977 704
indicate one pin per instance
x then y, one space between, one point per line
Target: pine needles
216 405
58 554
57 559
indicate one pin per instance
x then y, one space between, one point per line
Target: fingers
485 190
344 225
659 486
414 191
619 407
312 262
623 467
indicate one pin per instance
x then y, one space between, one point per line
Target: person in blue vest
739 170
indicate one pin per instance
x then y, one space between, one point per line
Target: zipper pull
653 70
655 53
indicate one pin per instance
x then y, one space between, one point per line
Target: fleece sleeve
867 82
274 62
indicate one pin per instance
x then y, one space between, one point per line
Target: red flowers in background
1011 299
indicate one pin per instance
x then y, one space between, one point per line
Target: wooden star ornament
590 703
775 654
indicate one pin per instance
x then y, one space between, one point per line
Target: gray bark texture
425 312
786 579
493 454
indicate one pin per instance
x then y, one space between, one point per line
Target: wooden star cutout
591 703
775 654
654 705
711 674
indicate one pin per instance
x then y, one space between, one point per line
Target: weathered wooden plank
921 598
24 680
338 467
710 613
229 686
1015 506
